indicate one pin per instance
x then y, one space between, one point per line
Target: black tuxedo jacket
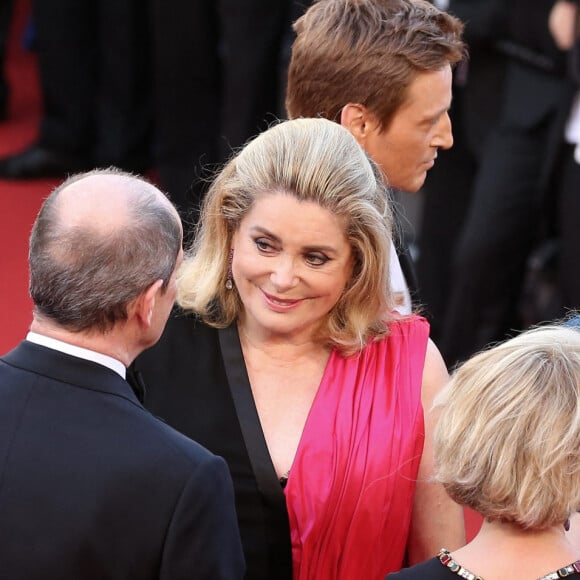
92 486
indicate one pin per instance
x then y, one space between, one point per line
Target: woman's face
291 262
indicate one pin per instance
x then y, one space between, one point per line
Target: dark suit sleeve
203 539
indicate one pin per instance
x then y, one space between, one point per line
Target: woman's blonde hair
314 160
508 440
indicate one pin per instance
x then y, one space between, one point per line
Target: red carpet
19 200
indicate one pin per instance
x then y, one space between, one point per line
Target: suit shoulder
165 444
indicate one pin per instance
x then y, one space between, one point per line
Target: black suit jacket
92 486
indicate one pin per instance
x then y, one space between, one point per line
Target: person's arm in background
437 521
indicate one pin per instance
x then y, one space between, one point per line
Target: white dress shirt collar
79 352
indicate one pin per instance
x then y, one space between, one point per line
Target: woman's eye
262 245
316 259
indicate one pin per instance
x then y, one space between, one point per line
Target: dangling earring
229 279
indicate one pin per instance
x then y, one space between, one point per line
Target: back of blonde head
508 440
314 160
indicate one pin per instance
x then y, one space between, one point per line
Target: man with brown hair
381 68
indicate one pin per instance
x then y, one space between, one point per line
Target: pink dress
350 491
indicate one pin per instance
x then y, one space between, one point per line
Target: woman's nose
284 274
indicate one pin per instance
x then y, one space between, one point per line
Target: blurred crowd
499 233
173 86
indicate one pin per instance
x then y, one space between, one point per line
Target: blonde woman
288 360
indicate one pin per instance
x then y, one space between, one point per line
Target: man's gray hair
84 279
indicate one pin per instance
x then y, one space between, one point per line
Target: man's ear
145 304
357 119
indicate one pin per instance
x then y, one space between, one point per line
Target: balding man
92 486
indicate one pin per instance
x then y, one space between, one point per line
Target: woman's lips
280 304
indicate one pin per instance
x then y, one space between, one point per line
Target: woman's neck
281 348
501 546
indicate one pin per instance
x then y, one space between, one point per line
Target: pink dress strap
350 491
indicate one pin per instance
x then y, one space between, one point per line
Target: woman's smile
281 304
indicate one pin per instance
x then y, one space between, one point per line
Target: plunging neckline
259 454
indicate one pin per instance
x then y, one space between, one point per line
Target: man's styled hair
313 160
84 279
507 441
366 52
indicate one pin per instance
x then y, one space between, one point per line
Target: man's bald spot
102 201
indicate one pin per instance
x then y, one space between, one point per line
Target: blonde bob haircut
316 161
508 440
